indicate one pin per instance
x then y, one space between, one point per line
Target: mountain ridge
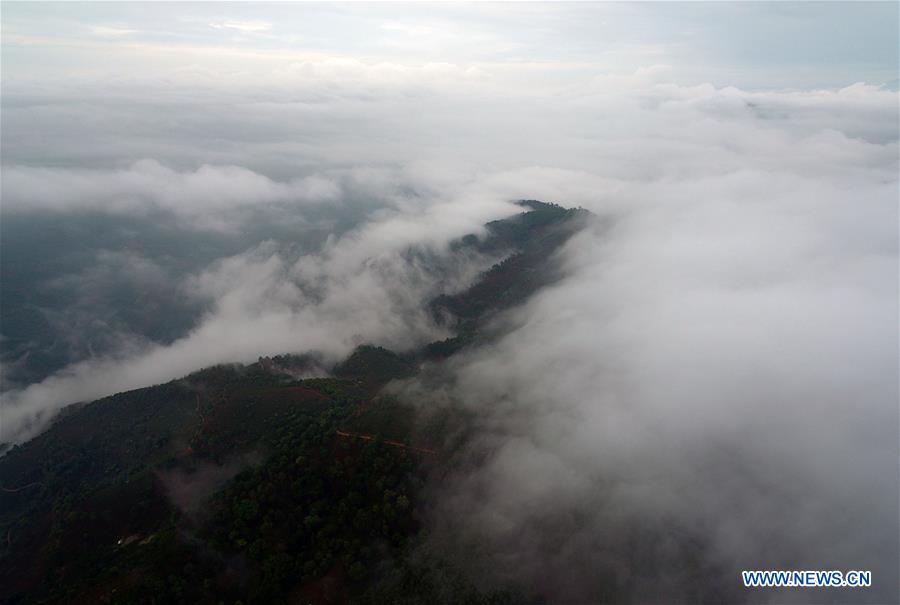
103 484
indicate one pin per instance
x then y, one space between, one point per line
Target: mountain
252 484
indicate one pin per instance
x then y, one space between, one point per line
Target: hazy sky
749 45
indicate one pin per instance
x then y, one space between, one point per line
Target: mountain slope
245 483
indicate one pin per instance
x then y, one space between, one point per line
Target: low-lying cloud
370 285
200 195
713 386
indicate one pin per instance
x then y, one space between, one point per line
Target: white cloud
200 195
362 287
242 26
721 362
112 31
716 380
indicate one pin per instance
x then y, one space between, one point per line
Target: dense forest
245 484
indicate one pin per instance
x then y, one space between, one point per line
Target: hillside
242 483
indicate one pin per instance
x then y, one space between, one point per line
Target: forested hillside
243 483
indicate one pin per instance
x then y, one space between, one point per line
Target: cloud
714 385
107 31
242 26
369 285
712 388
147 185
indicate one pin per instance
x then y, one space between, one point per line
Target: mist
713 384
711 389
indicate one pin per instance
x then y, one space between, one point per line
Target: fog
712 389
370 285
712 386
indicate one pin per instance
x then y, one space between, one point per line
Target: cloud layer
370 285
147 185
713 386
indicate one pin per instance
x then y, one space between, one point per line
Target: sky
749 45
719 366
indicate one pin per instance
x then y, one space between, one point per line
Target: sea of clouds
712 387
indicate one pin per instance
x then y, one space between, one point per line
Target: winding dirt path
13 490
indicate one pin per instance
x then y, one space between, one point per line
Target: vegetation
309 490
374 365
532 237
